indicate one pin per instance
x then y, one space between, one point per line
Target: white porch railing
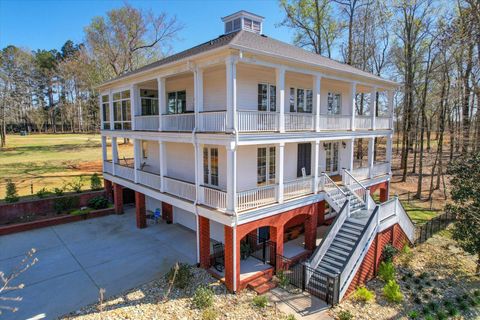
257 197
108 167
335 122
299 121
380 169
332 191
180 188
213 121
214 198
149 123
149 179
362 173
297 188
363 122
356 187
382 123
178 122
253 121
124 172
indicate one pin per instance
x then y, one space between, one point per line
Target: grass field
49 160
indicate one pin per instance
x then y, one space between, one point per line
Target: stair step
348 235
346 241
353 225
351 230
328 272
347 247
258 282
338 251
332 261
334 255
264 288
327 265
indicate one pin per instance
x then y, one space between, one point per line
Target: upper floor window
301 100
106 112
210 166
149 102
266 165
177 102
267 97
334 103
122 115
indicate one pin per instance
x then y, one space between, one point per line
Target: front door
210 166
331 158
304 159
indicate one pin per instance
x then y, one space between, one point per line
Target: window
210 166
263 234
304 159
228 26
237 24
331 157
267 97
149 102
247 24
266 165
122 115
177 102
334 103
144 149
106 112
302 101
292 99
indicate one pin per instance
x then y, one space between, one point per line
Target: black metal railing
426 230
258 248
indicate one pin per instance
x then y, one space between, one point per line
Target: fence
258 248
440 222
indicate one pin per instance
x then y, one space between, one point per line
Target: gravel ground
147 302
433 273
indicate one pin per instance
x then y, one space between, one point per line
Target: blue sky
39 24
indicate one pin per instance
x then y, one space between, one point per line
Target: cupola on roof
243 20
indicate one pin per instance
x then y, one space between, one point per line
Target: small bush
283 280
423 275
406 249
95 182
363 294
58 191
434 291
447 304
42 193
429 317
209 314
432 306
441 315
453 312
476 293
290 317
386 271
98 203
389 252
11 194
76 185
392 292
65 203
345 315
260 301
182 277
463 306
413 314
426 296
203 297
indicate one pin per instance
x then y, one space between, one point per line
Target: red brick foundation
204 241
108 186
230 261
167 212
140 210
384 187
320 213
118 198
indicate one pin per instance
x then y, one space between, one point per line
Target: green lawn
49 160
418 214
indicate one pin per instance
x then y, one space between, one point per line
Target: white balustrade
178 122
382 123
332 191
214 198
356 187
147 123
257 197
213 121
180 188
299 121
297 188
361 173
149 179
253 121
363 122
124 172
380 169
108 167
335 122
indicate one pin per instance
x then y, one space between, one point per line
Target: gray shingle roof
260 43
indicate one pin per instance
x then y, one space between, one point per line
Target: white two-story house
244 139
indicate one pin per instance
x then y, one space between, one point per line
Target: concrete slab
18 244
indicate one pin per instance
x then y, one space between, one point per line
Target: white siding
335 87
248 78
180 161
152 162
246 168
217 231
290 164
185 218
214 89
180 84
152 204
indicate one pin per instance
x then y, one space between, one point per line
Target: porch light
344 145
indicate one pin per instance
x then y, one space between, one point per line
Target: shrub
95 182
429 317
290 317
98 202
453 312
260 301
447 304
345 315
209 314
406 249
476 293
11 194
386 271
245 250
463 306
434 291
363 294
182 277
432 306
423 275
58 191
43 193
203 297
65 203
76 185
392 292
441 315
283 281
413 314
389 252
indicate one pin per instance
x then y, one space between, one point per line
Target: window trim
295 100
176 101
208 166
269 97
334 93
268 178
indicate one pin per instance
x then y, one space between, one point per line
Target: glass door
210 166
331 158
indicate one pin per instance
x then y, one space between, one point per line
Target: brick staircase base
262 284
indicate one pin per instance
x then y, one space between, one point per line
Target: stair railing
357 188
329 236
333 192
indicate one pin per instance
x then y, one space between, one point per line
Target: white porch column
280 84
353 94
231 178
349 148
373 107
199 172
110 106
198 92
281 169
137 154
390 107
231 77
371 150
315 169
316 100
162 100
163 165
389 152
114 154
104 152
134 103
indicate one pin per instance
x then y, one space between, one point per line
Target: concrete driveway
77 259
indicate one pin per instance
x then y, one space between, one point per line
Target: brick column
384 192
276 235
107 185
230 260
204 241
167 212
320 213
140 210
311 232
118 198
